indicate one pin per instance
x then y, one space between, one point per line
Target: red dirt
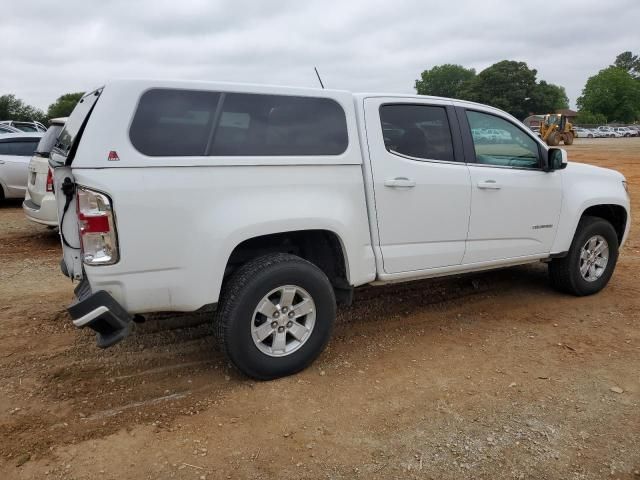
489 376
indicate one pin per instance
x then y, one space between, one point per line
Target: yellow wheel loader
555 129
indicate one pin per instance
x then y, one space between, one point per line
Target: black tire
246 289
564 273
568 138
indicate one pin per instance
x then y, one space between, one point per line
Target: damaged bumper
102 313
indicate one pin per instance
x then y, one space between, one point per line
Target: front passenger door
515 204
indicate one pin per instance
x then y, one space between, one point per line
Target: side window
499 142
188 123
419 131
275 125
173 122
19 148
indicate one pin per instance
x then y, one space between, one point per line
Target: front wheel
590 262
275 316
568 138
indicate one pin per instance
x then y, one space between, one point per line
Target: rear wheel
275 316
568 138
590 261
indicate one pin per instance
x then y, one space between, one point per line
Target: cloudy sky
54 47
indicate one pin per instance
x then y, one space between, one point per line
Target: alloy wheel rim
594 257
283 321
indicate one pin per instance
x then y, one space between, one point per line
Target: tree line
12 108
612 95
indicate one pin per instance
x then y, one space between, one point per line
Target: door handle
489 185
1 162
399 182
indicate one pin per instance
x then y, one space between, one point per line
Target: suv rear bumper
102 313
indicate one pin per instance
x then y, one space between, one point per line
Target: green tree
630 63
64 105
547 98
587 118
508 85
612 92
444 80
12 108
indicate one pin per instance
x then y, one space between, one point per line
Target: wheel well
320 247
614 214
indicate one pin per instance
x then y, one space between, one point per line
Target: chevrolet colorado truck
274 203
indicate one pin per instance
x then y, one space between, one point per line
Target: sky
55 47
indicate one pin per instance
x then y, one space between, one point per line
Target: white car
609 132
584 132
15 152
40 203
274 203
497 135
625 131
600 133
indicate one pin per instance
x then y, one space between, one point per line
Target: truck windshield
67 142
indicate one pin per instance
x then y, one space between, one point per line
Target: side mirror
557 159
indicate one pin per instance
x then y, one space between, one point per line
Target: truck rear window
200 123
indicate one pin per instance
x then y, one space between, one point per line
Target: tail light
50 181
97 228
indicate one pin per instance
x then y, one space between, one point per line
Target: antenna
319 79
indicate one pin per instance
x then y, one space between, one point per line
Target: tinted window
25 127
48 139
279 125
418 131
24 148
173 122
499 142
192 123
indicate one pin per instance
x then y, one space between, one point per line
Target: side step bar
100 312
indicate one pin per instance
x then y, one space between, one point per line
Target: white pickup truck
273 203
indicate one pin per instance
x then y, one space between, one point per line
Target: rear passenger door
421 183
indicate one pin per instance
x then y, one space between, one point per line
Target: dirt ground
488 376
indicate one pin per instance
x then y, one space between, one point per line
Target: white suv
274 203
40 203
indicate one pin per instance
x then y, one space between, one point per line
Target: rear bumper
45 214
100 312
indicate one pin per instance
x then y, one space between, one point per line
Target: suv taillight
97 228
50 181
